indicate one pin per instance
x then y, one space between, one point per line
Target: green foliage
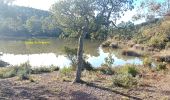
7 73
44 69
106 70
66 71
41 70
129 69
109 60
168 45
154 33
125 30
24 21
125 80
72 56
24 70
87 66
158 42
54 68
147 62
92 16
161 66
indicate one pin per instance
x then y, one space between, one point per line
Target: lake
48 52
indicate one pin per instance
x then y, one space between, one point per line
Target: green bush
10 73
106 70
125 80
24 71
129 69
147 62
66 71
87 66
158 42
161 66
54 68
168 45
41 70
72 56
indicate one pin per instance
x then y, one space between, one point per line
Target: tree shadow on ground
10 91
113 91
79 95
166 93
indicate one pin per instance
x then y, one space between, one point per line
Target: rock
162 58
114 45
106 44
3 64
130 53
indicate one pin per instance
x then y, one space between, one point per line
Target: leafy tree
33 25
83 17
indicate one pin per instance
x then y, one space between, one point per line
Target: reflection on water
17 52
44 59
99 60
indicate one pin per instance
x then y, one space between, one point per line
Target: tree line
24 21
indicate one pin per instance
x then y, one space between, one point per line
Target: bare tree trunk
80 52
80 59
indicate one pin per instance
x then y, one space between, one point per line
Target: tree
33 25
83 17
152 9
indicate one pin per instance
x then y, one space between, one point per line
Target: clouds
39 4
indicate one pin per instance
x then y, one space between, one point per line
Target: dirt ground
48 87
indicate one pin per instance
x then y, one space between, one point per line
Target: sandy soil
48 87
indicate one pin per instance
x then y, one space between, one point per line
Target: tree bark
80 59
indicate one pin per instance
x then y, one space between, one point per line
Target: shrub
54 68
41 70
147 62
161 66
8 72
72 56
87 66
66 71
168 45
157 42
44 69
106 70
125 80
129 69
24 71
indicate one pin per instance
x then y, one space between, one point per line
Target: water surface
19 51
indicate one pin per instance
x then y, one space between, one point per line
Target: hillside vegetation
24 21
156 35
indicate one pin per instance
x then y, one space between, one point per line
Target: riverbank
129 48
